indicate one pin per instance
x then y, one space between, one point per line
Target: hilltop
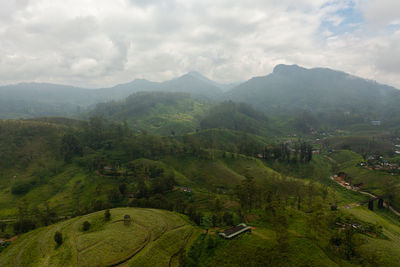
153 237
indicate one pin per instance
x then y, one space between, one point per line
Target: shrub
86 226
21 188
58 238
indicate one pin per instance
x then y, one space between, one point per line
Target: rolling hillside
153 238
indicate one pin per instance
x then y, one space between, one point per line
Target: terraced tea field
154 237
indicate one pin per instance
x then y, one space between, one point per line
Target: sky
100 43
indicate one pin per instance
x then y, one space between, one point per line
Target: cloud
101 43
381 12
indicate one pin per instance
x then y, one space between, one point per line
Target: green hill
156 112
153 238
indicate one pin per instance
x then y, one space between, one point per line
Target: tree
246 193
123 188
114 195
107 215
371 204
142 189
48 215
24 223
227 218
281 228
70 146
3 226
214 220
58 238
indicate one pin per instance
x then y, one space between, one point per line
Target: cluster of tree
22 142
28 219
365 146
299 152
278 192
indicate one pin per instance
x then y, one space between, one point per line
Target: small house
235 231
186 189
127 219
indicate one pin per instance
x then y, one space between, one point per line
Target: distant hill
332 95
156 112
234 116
28 100
193 83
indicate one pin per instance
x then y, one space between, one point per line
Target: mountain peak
285 69
195 73
198 76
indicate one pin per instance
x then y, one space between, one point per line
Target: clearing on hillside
153 237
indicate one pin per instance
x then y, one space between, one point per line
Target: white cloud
102 43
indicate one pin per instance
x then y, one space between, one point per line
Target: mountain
193 83
29 100
323 92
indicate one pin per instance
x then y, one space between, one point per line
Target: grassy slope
243 250
222 172
106 242
383 252
62 191
163 119
72 186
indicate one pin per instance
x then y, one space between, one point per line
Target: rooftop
236 230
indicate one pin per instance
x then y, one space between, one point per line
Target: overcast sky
96 43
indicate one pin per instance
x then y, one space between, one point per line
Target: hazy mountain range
286 89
